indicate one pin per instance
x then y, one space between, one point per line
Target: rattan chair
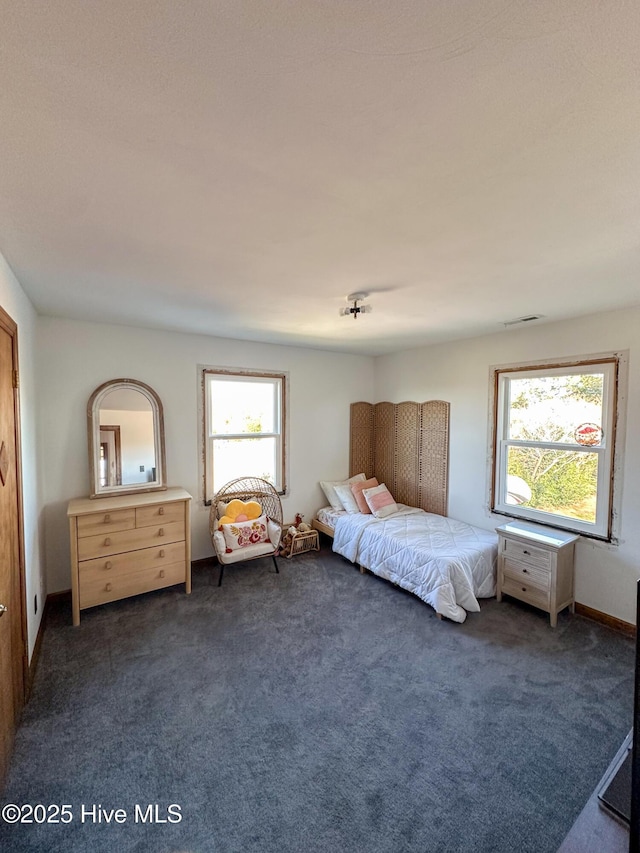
246 489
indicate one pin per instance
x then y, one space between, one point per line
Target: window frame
279 381
610 364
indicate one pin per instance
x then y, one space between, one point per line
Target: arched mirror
126 439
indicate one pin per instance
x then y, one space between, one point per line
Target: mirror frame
93 429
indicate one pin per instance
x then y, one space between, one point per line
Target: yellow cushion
241 511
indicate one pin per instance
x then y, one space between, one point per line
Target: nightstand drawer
532 575
526 553
526 592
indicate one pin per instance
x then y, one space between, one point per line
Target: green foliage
560 480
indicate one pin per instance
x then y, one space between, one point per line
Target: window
243 427
553 444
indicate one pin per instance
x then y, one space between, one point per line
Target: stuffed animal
303 527
287 541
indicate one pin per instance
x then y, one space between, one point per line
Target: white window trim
606 529
206 440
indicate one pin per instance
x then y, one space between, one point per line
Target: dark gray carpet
317 710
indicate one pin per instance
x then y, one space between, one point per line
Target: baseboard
35 657
204 562
604 619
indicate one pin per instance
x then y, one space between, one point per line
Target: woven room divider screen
406 446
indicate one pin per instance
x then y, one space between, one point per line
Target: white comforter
447 563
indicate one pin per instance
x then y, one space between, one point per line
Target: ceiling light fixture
355 309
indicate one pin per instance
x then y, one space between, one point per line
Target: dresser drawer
132 561
527 553
90 547
106 522
522 573
526 592
100 589
147 516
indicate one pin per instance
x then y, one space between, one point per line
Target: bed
447 563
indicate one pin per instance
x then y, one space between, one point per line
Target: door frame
8 325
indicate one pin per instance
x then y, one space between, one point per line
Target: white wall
459 373
17 305
76 357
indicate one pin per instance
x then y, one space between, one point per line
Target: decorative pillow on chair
240 511
328 487
356 491
380 501
243 533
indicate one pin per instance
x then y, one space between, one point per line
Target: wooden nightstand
535 564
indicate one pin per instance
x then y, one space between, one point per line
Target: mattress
328 515
447 563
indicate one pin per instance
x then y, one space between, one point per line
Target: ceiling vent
526 319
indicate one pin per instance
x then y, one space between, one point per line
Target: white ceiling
236 167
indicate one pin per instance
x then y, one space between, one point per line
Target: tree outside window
554 445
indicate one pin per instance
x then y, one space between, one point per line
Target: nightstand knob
107 588
161 531
107 519
108 564
161 511
162 573
107 541
161 554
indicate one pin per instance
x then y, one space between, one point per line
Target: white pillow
380 501
239 534
328 487
343 490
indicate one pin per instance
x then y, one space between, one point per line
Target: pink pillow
356 490
380 500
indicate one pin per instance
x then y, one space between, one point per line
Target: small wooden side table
535 564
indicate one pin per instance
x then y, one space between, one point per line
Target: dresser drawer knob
108 564
525 571
161 573
161 531
107 518
107 587
161 554
524 589
107 541
161 511
528 553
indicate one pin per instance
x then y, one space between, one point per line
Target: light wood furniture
302 542
535 565
126 545
406 446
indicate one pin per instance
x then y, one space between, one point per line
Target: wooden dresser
535 564
126 545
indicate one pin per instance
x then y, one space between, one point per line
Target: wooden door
12 625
